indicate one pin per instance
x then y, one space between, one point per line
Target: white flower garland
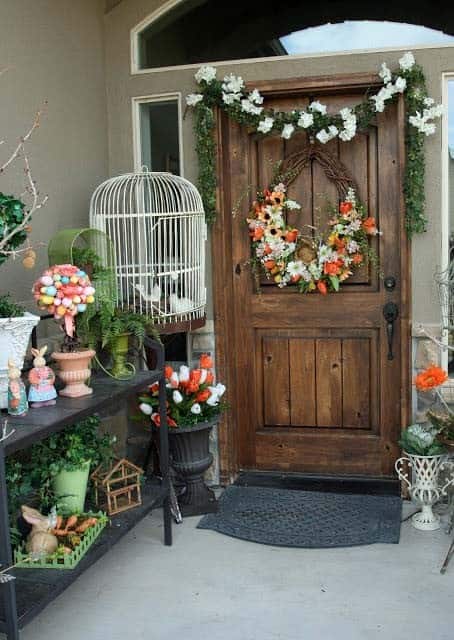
233 91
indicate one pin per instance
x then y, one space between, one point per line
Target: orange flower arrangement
430 378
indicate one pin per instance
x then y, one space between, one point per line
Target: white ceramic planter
424 487
14 336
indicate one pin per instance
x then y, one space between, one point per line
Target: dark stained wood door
311 386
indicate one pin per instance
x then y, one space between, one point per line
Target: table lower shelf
36 588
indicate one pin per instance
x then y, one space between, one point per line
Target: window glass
159 136
198 31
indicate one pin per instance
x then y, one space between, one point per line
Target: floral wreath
309 262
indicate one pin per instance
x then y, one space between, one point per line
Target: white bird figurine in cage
153 296
180 305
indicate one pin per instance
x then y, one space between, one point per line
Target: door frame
223 269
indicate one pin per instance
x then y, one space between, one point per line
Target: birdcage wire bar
157 225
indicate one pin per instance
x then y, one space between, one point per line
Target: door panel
312 388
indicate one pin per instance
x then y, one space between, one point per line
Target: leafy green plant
126 321
8 308
29 474
419 440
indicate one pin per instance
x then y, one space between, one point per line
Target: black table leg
164 459
6 557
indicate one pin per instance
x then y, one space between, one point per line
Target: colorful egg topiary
64 290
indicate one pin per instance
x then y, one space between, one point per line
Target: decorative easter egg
81 307
76 299
66 302
79 290
65 279
43 289
61 311
74 279
57 277
46 280
90 299
51 291
58 284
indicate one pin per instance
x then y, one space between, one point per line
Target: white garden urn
14 336
424 486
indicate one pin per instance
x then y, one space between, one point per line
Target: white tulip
196 409
177 397
145 408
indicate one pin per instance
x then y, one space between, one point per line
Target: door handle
390 313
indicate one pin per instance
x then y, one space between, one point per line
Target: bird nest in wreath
318 260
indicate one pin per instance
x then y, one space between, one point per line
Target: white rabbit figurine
17 395
40 539
42 391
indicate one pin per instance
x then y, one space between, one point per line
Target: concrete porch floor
215 587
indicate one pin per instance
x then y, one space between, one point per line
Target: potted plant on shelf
194 405
425 452
66 291
56 470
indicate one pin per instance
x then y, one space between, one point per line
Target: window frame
136 102
445 204
135 32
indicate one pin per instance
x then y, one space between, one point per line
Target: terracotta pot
74 371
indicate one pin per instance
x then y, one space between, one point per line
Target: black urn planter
190 457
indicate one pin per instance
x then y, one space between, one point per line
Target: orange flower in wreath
277 197
357 258
430 378
370 226
333 268
321 286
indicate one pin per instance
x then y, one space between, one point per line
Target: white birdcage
157 225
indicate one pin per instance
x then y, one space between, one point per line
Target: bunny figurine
17 395
42 391
40 540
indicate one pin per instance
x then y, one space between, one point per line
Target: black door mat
308 519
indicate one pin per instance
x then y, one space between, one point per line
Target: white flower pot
424 488
14 336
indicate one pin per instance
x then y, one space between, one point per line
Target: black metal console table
33 589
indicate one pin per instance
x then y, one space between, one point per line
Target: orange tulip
210 378
345 207
202 396
195 375
168 371
321 286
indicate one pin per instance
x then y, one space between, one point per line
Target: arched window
197 31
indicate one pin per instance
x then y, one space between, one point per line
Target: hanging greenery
247 109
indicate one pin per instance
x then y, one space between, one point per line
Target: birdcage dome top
153 192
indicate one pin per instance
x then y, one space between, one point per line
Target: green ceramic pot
119 351
70 488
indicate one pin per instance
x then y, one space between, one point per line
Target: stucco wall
55 52
122 86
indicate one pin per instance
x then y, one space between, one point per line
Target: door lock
390 283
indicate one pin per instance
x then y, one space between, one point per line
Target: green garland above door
246 108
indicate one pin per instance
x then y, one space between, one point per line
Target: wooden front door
311 386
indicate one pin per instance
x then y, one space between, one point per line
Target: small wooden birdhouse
118 487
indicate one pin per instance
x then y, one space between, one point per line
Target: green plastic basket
69 561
